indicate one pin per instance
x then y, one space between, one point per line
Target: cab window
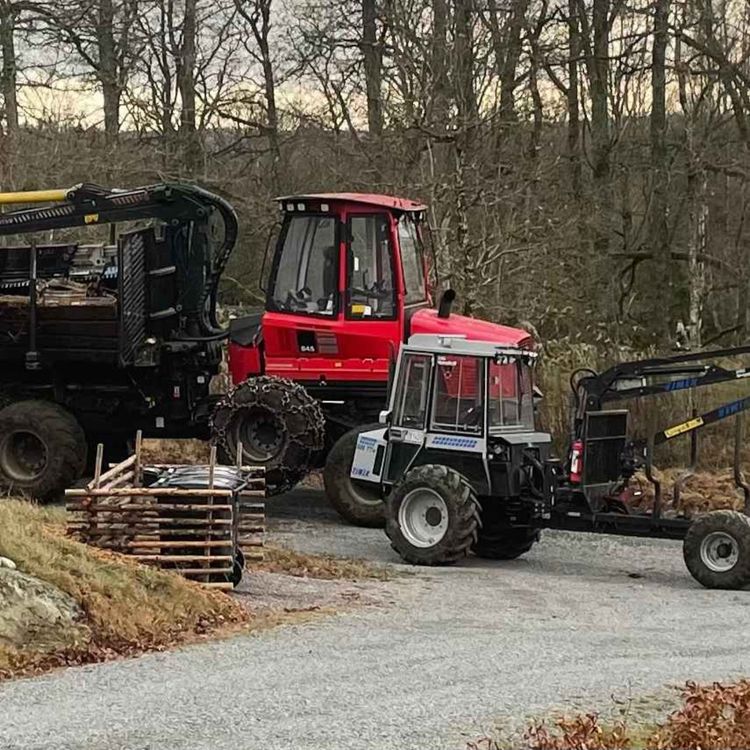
370 287
412 393
510 392
306 275
459 393
411 261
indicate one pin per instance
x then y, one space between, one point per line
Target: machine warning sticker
678 429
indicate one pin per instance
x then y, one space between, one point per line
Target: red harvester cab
348 283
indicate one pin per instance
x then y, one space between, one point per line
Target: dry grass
127 608
711 717
167 451
130 608
701 492
280 560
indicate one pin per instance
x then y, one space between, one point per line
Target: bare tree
101 34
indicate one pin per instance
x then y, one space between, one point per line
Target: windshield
306 275
510 395
458 396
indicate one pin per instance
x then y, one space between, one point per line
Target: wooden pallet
196 532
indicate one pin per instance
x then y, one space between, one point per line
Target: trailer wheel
42 449
358 502
432 516
505 544
717 549
280 426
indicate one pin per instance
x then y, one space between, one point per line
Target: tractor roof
460 344
368 199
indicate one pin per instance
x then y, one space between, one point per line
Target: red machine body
348 283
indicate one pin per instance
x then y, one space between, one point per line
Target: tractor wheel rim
423 517
719 552
23 456
262 434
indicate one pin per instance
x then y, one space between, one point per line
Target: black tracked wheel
356 501
280 426
498 542
432 516
42 449
717 550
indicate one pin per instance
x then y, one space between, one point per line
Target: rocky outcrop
34 611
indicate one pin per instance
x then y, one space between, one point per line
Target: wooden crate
198 532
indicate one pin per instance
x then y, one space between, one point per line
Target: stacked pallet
203 521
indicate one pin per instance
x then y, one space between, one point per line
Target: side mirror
385 417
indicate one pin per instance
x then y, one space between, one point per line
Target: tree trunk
9 81
658 225
186 85
698 242
108 69
508 63
440 95
373 63
574 125
272 120
463 83
599 80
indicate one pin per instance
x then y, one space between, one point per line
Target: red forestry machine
348 283
98 340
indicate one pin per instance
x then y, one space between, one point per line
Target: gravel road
445 656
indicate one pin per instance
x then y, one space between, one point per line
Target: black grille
132 264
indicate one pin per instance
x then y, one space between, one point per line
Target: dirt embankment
62 602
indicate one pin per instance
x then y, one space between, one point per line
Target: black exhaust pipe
446 302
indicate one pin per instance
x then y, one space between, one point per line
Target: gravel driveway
443 657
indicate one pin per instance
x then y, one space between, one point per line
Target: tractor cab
465 404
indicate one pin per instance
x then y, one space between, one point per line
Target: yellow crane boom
34 196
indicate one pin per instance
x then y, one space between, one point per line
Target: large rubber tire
504 543
716 549
450 508
42 449
281 427
356 501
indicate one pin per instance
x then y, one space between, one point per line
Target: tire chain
289 398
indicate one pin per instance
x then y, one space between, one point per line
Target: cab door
372 325
409 408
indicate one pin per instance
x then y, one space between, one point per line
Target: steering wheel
472 417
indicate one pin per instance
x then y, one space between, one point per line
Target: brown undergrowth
700 492
281 560
710 717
